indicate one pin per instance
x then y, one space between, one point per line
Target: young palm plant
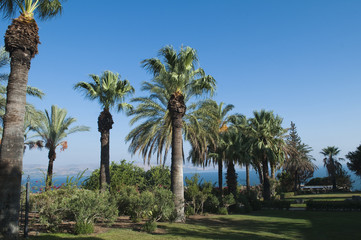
110 91
175 80
53 128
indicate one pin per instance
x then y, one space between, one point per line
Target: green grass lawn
258 225
321 197
326 196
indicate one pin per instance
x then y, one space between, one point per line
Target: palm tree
53 128
332 164
267 143
110 91
21 41
175 81
213 119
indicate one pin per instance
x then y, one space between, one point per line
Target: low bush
212 204
156 205
150 226
223 211
72 204
83 228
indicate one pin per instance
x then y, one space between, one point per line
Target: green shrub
212 204
245 204
150 226
189 210
158 177
121 174
52 207
124 196
83 228
223 211
163 209
141 206
197 192
88 206
72 204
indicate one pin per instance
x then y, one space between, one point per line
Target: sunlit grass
258 225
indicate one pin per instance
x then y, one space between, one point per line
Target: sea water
38 183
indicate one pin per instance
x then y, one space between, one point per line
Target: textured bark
231 178
273 170
23 35
259 170
248 178
266 183
220 176
105 123
21 40
177 110
49 176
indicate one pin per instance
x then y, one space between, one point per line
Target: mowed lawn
325 196
258 225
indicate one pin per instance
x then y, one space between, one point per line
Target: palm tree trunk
273 170
259 170
231 178
266 182
220 176
49 176
12 146
177 110
248 178
105 123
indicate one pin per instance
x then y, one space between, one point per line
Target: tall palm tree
214 119
21 41
53 128
110 91
332 164
268 144
175 80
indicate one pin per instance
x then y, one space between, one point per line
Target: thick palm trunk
105 123
266 182
248 184
231 178
260 174
273 170
49 176
177 110
21 41
220 176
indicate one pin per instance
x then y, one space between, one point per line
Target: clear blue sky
301 59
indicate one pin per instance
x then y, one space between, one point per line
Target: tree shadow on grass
323 224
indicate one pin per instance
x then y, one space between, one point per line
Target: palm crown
42 8
108 89
178 74
54 127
